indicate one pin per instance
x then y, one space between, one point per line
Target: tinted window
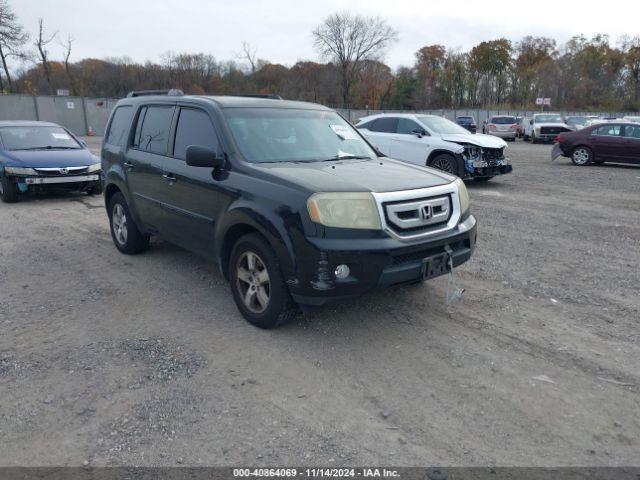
608 130
503 120
152 131
406 126
632 131
385 125
194 128
365 124
119 127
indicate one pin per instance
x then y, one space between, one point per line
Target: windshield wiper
47 147
346 157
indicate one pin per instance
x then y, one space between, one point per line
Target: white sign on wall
71 105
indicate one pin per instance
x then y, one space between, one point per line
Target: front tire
257 284
446 163
8 190
126 235
581 155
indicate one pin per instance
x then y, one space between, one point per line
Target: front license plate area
435 266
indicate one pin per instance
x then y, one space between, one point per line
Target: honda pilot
291 201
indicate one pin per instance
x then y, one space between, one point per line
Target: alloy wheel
581 156
119 224
443 164
253 282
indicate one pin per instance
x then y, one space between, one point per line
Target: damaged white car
436 142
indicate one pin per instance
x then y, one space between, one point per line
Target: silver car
502 126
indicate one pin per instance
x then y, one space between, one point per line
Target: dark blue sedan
39 155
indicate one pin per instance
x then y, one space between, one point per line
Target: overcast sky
280 30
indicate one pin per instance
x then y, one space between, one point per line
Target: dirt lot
144 360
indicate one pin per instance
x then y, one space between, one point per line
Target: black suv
292 202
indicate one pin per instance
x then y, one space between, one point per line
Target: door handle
169 178
128 165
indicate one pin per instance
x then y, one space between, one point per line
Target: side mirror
418 132
198 156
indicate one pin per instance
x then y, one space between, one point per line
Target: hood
481 140
50 158
380 175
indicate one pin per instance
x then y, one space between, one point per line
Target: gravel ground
144 360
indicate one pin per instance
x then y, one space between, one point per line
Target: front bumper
57 180
374 263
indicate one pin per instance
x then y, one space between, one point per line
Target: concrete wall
75 113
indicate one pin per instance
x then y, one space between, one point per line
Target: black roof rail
174 92
271 96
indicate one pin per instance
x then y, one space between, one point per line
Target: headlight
96 167
344 210
20 171
463 195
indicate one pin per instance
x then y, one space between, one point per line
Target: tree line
581 74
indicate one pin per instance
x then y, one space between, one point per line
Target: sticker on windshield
61 136
344 132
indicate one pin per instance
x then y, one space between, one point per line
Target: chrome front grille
61 171
418 214
409 215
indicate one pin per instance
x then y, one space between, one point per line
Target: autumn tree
349 40
12 40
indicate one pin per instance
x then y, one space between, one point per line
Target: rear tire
581 155
126 235
8 190
446 163
257 284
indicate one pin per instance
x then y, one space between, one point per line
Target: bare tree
67 65
41 44
12 39
249 54
349 40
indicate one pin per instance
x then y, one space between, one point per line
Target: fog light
342 271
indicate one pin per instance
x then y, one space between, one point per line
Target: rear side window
385 125
119 127
608 130
152 129
406 126
194 128
632 131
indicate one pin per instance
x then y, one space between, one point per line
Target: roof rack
271 96
174 92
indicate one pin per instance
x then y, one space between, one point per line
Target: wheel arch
242 221
457 158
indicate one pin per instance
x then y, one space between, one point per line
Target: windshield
577 120
503 120
465 119
289 135
441 125
548 119
37 138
